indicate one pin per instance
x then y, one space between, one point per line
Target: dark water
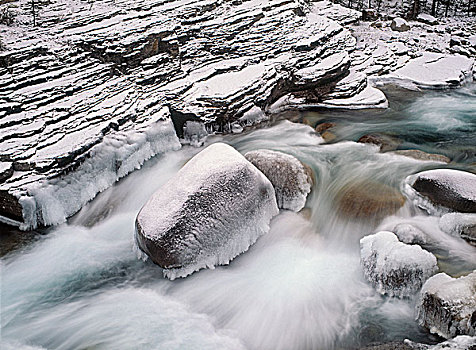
80 285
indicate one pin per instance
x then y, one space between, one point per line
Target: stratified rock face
395 268
216 206
292 180
399 25
367 200
449 188
447 306
90 72
459 225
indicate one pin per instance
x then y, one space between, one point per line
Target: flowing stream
80 285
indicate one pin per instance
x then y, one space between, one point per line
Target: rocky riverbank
95 89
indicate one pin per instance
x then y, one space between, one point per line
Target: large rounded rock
449 188
369 200
447 306
459 225
216 206
395 268
399 25
292 180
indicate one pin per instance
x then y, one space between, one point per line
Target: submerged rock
447 306
400 25
385 142
420 155
369 200
453 189
459 225
292 179
216 206
395 268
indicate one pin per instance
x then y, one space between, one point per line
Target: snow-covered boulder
453 189
395 268
460 225
400 25
292 180
216 206
447 306
410 234
426 18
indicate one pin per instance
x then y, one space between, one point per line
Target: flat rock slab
215 207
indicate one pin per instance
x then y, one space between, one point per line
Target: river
80 285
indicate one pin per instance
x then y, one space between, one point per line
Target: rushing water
80 286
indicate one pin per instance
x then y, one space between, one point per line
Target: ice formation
395 268
459 225
447 306
51 202
461 342
292 180
216 206
409 234
447 188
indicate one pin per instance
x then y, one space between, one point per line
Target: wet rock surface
395 268
453 189
447 306
292 180
215 207
420 155
369 200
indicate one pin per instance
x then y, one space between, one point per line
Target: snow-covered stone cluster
395 268
216 206
447 306
292 180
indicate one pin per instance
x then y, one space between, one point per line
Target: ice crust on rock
215 208
395 268
51 202
292 180
447 188
409 234
459 225
461 342
447 306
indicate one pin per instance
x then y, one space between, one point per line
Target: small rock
292 180
216 206
428 19
420 155
320 128
409 234
385 142
447 306
395 268
369 200
399 25
449 188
